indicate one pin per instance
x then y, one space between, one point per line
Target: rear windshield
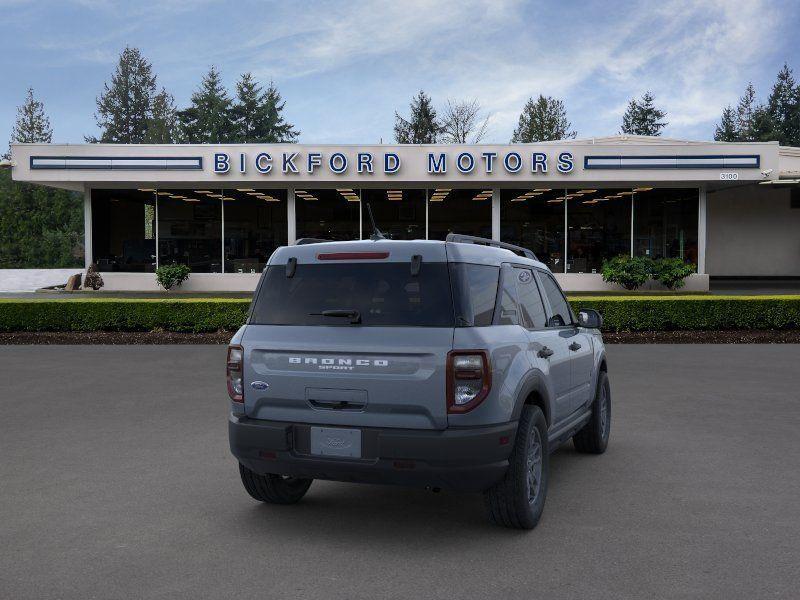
384 294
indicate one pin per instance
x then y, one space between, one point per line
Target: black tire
593 437
273 489
509 502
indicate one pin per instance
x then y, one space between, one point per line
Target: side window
509 314
530 301
561 312
474 293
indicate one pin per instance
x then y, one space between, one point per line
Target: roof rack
305 241
471 239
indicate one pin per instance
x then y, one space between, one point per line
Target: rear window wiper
353 315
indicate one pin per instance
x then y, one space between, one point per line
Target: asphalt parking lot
116 482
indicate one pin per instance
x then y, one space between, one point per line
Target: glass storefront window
467 212
599 227
665 223
328 214
534 218
399 213
255 225
123 230
190 229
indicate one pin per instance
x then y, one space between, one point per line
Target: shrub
620 313
672 272
629 272
93 279
664 313
114 314
170 276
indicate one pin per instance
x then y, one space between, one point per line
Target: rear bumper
465 459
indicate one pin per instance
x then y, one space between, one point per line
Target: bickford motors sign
390 163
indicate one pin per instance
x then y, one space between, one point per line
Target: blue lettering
437 166
512 162
222 163
391 163
314 160
288 162
539 162
364 162
242 162
338 162
565 163
263 163
465 166
488 158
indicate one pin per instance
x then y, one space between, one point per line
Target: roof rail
305 241
471 239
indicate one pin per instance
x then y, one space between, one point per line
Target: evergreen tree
246 108
208 118
275 128
784 108
32 124
643 118
39 226
744 114
422 126
543 119
162 127
124 108
257 114
726 130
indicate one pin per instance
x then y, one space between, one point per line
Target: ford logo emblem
259 385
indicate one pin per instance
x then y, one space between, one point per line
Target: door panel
582 361
557 367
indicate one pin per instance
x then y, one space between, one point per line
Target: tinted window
474 293
561 313
509 313
385 294
530 301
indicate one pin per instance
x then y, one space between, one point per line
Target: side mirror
589 318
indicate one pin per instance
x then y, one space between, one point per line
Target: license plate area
336 441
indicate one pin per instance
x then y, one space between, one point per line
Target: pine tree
162 127
244 112
39 226
744 114
32 125
726 130
257 114
275 128
643 118
543 119
422 126
784 108
124 107
208 119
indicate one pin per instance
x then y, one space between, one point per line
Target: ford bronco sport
455 365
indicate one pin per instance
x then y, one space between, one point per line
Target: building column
87 226
496 214
701 230
291 220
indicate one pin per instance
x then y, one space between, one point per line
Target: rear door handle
545 352
574 346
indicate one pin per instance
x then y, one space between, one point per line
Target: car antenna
376 233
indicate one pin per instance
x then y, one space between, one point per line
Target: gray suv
455 365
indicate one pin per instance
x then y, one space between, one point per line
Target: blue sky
345 67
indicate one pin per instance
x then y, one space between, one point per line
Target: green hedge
661 313
188 315
620 313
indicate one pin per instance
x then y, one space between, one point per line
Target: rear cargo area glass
384 294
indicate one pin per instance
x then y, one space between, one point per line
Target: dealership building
732 209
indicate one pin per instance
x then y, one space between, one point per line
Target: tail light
469 379
234 373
